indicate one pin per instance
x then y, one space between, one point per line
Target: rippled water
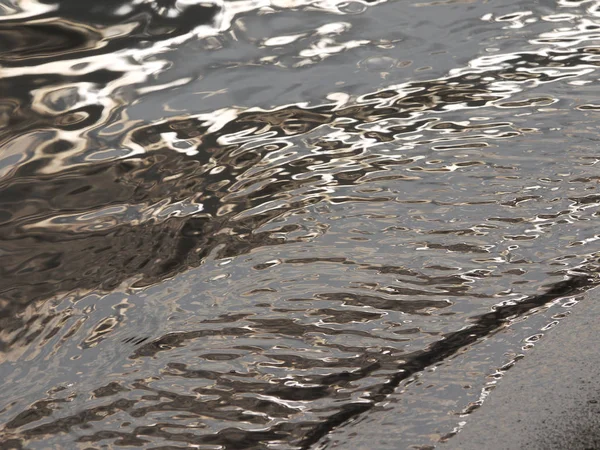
255 223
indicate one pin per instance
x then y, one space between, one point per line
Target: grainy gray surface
549 400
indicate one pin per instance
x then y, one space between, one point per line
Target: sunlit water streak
246 224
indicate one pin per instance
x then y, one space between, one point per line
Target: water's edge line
451 343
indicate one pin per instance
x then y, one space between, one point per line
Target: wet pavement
551 399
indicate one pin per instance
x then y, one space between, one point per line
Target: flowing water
252 224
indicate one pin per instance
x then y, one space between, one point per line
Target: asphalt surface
550 400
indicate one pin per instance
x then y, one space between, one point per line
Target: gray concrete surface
550 400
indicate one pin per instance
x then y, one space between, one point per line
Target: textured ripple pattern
244 224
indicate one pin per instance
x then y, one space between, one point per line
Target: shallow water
252 224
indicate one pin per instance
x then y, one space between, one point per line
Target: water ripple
244 224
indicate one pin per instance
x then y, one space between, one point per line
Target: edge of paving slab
550 400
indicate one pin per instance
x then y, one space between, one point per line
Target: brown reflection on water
236 178
256 277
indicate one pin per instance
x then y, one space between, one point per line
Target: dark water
247 224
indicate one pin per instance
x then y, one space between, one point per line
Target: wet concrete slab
550 400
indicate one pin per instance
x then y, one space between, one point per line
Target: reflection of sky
320 62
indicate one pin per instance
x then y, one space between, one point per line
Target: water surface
247 224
